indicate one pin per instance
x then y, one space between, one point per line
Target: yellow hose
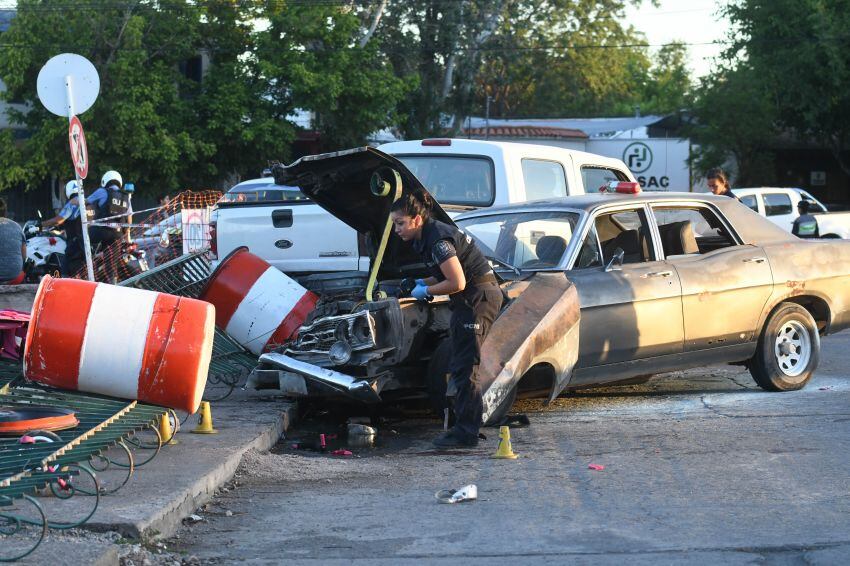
382 188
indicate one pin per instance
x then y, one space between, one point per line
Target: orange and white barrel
255 303
121 342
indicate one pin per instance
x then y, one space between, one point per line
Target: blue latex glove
420 292
420 282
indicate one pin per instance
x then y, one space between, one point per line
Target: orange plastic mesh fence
182 225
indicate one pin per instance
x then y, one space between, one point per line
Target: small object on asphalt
505 450
15 420
361 430
228 513
516 421
446 419
465 493
342 452
827 388
597 467
205 424
295 446
322 444
194 518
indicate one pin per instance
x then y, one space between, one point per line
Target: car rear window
461 180
252 193
776 204
750 201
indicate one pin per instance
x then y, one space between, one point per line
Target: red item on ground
597 467
342 452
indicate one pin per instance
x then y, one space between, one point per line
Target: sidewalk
173 485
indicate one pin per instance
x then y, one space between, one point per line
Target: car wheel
788 350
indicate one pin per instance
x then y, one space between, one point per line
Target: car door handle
282 218
755 260
657 274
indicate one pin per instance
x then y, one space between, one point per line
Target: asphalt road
700 467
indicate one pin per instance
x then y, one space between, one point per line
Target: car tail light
440 142
624 187
51 240
213 237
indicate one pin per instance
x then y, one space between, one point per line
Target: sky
690 21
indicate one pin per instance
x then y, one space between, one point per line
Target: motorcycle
118 261
45 251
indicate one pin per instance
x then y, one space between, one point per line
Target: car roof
258 184
751 226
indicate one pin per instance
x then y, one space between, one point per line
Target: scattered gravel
294 467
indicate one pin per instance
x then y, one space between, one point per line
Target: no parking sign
79 149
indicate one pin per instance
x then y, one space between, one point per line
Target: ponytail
417 203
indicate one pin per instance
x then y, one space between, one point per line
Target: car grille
356 329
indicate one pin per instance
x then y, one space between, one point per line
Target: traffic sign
79 149
68 84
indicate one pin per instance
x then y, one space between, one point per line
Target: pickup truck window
543 179
262 193
454 179
596 177
776 204
750 201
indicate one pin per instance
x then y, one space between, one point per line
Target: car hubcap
793 348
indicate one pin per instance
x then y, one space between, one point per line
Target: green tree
800 51
734 115
313 58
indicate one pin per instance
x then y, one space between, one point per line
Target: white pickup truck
779 205
283 227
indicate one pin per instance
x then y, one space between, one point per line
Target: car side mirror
616 262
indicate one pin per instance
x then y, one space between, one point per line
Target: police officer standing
805 225
459 270
107 201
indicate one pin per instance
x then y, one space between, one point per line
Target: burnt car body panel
587 325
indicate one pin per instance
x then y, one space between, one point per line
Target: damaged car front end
367 341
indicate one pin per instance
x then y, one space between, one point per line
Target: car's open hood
339 182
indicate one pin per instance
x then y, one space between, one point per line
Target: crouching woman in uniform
461 271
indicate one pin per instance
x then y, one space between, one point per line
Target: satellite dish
83 89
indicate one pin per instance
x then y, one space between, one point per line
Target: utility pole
487 119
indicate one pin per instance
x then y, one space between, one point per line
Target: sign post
68 84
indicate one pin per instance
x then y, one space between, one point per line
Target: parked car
779 205
641 283
282 226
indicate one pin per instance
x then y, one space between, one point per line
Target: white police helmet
110 176
72 187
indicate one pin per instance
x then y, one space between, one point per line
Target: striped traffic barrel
256 303
121 342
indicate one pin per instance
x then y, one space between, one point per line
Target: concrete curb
164 521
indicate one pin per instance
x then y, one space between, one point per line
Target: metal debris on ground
465 493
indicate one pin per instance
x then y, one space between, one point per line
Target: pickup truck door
295 238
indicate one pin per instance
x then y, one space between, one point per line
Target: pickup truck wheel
788 350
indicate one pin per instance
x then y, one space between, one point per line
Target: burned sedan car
601 288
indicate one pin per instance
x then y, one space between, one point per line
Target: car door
631 312
725 284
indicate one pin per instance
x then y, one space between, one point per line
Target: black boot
455 439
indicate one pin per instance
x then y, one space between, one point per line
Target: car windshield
526 240
253 192
454 180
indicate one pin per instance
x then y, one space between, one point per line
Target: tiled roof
526 132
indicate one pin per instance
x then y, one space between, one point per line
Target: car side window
690 231
751 202
814 205
590 254
626 230
595 178
777 204
543 179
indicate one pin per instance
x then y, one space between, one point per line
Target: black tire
788 350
